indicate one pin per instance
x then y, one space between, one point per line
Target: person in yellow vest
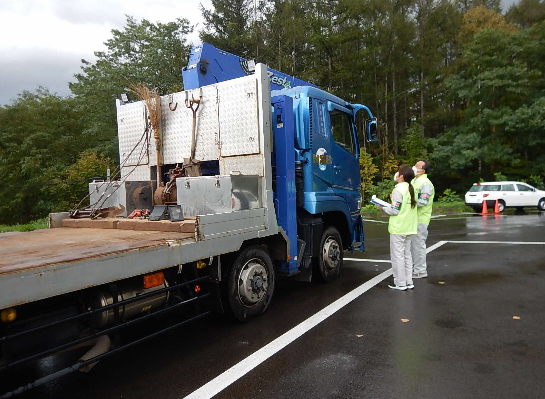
402 226
425 192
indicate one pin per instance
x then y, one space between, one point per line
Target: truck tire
250 283
330 258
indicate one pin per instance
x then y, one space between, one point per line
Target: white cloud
48 38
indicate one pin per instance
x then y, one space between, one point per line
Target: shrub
449 196
382 189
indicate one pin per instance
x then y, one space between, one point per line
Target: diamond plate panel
238 117
177 126
236 112
131 125
251 165
140 173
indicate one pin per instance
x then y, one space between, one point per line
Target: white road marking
246 365
240 369
375 221
435 246
497 242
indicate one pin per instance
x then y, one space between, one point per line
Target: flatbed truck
247 185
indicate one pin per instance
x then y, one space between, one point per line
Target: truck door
344 155
322 166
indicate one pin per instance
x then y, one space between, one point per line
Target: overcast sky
43 41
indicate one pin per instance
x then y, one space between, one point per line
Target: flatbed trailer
40 264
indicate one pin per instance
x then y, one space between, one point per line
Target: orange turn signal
8 315
197 288
153 280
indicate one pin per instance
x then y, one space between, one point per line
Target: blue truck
315 159
246 176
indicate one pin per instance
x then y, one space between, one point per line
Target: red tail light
485 195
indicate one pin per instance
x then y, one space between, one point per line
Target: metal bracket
170 101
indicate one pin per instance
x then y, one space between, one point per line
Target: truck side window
341 128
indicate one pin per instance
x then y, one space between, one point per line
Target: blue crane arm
208 65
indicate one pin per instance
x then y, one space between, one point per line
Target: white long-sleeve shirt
397 200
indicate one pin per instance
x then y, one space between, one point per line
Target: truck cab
315 156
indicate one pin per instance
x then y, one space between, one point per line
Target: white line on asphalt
240 369
497 242
375 221
368 260
435 246
246 365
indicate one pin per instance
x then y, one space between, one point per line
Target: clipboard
378 201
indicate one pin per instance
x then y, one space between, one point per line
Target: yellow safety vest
424 212
406 221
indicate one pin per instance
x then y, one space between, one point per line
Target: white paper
377 201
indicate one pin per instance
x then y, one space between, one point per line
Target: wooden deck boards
26 250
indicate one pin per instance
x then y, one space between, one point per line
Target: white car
510 194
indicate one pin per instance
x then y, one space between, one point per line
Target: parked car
510 194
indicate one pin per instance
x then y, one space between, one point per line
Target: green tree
368 171
414 145
143 52
526 13
228 26
39 137
501 89
72 184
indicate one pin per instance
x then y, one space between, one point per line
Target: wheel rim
253 282
331 254
542 205
501 206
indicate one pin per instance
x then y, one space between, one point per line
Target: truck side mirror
371 129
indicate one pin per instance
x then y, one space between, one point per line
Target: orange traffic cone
485 210
496 208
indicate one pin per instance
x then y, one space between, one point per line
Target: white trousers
418 249
402 261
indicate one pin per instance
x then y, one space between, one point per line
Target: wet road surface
461 339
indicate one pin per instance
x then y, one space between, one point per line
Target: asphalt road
473 329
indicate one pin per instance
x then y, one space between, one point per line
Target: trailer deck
36 249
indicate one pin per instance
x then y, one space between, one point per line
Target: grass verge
34 225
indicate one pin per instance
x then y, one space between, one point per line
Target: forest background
458 82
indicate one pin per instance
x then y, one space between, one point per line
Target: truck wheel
541 204
250 283
331 254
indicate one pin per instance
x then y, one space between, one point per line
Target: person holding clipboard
402 225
